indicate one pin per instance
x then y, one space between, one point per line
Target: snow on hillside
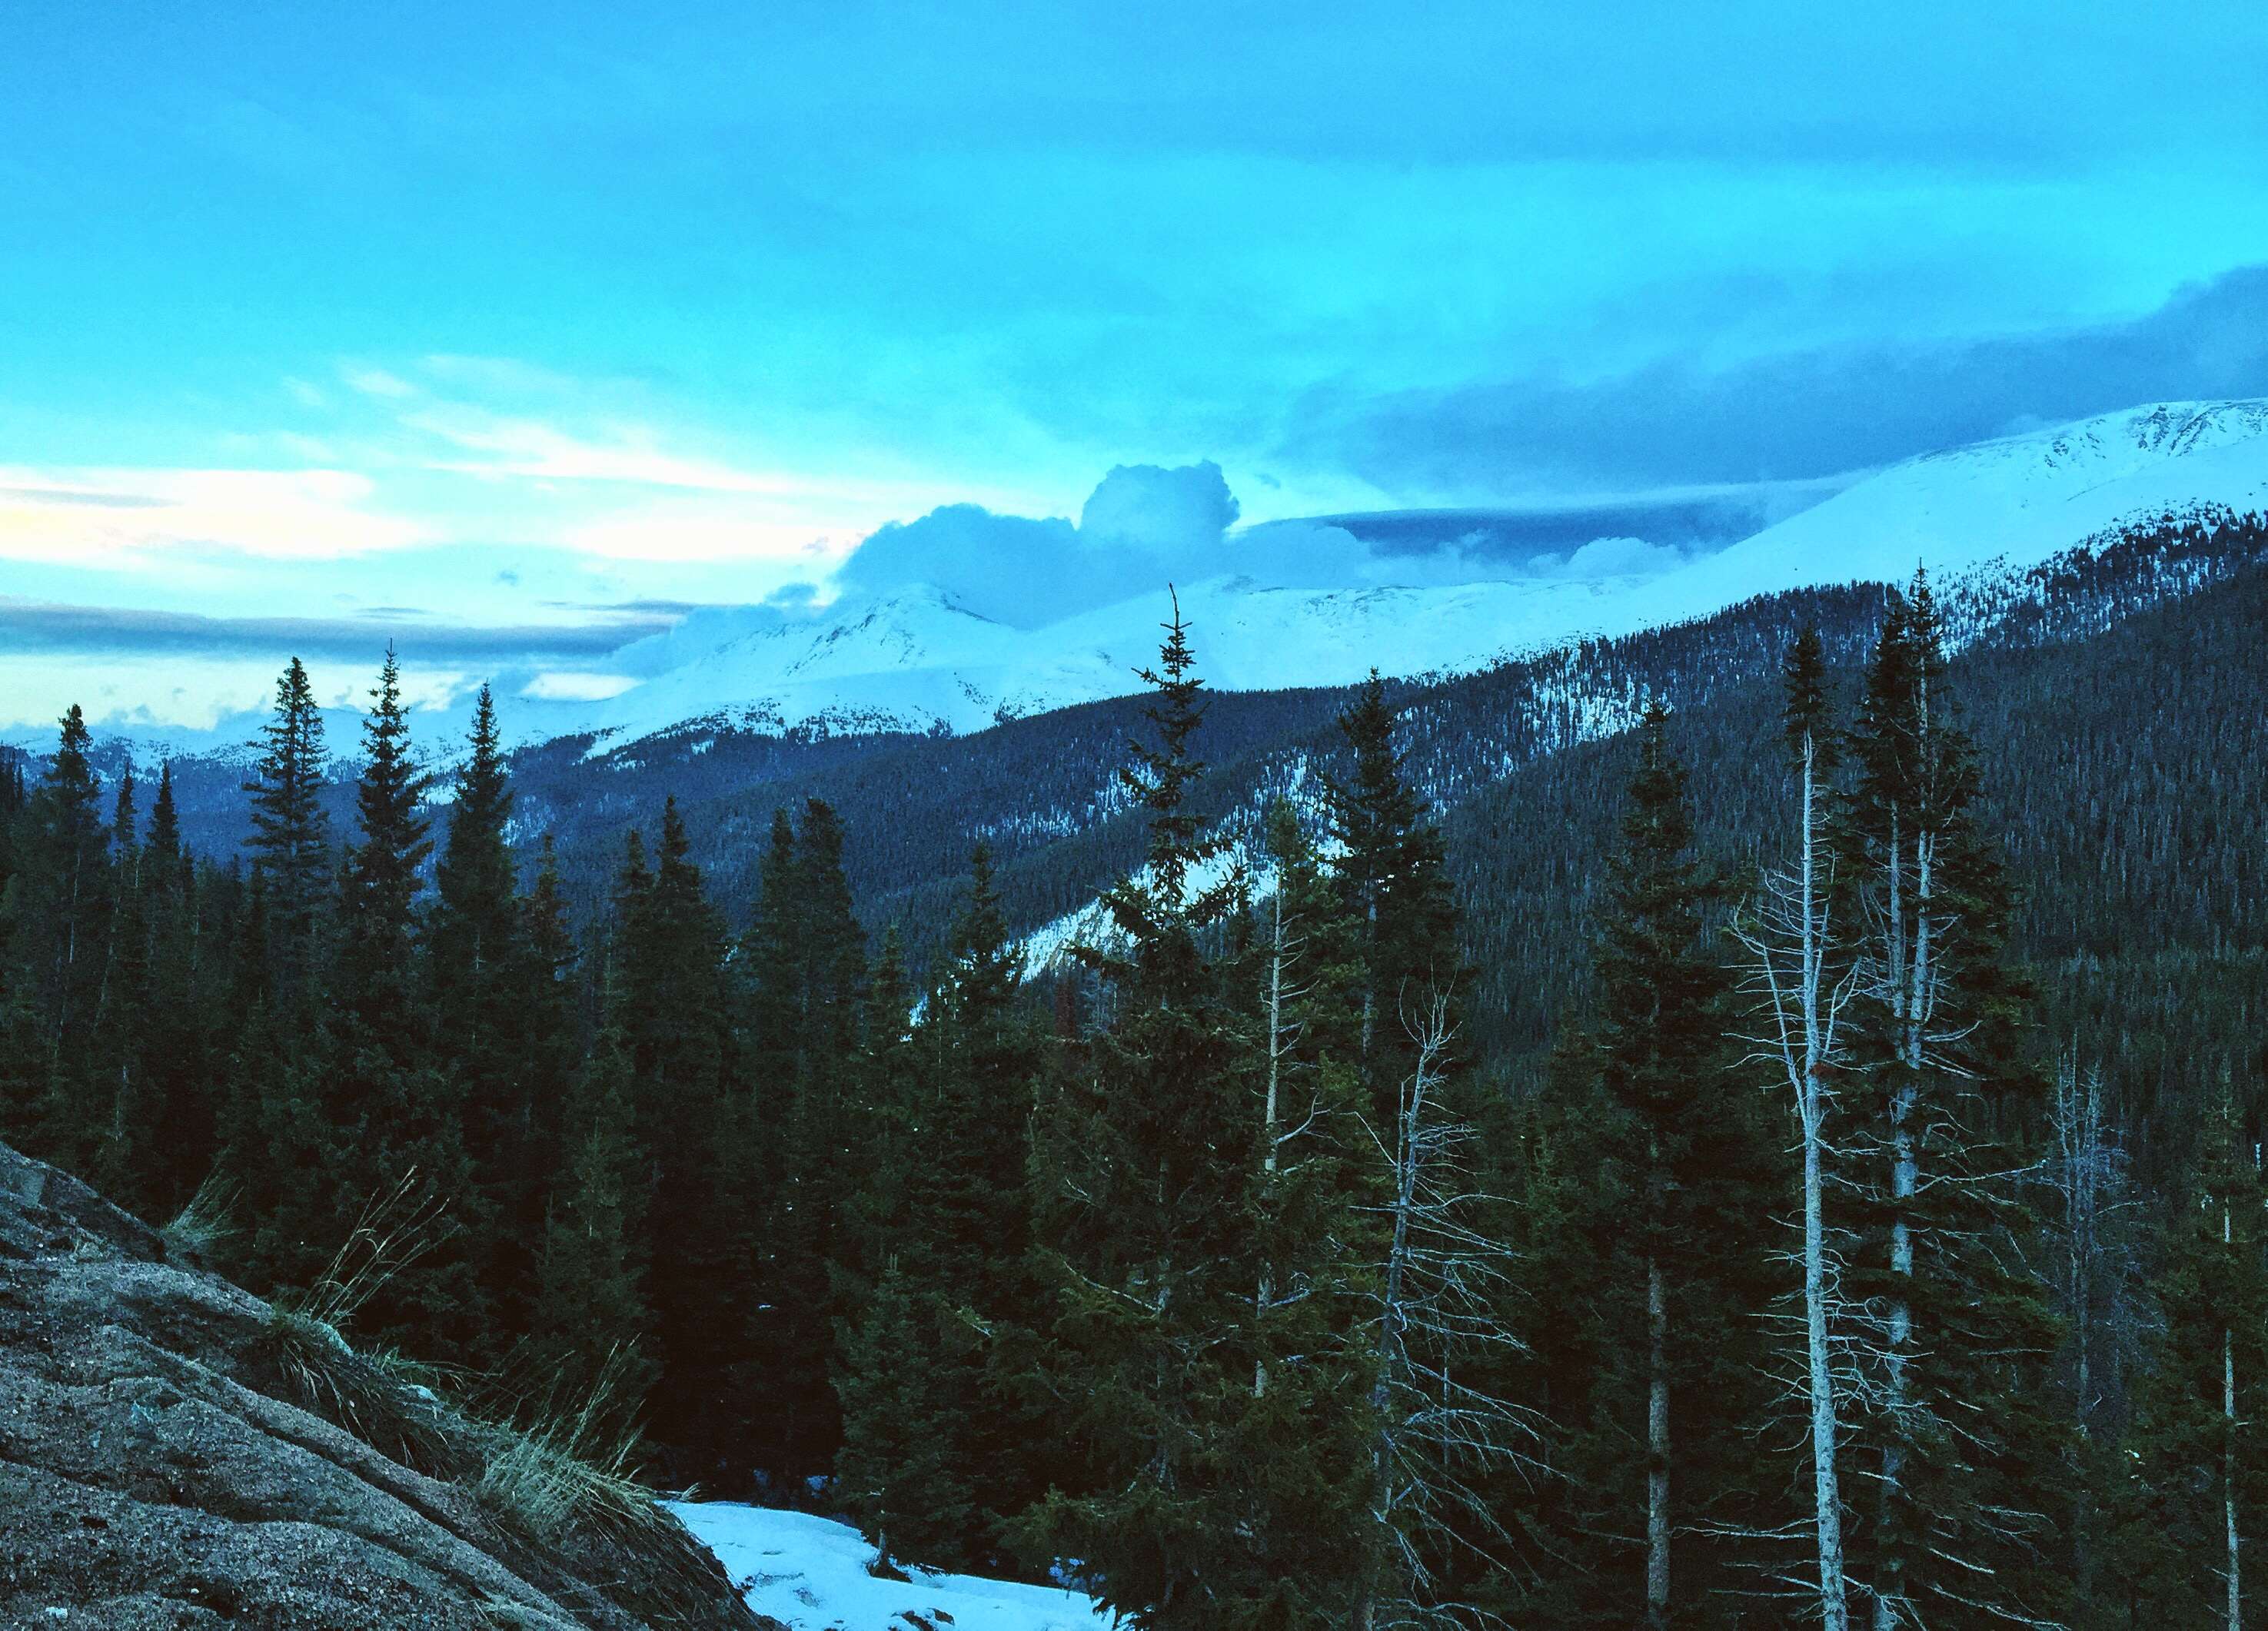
811 1574
2015 501
915 659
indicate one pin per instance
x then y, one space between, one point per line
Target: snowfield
810 1573
915 659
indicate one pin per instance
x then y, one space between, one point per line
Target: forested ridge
1777 1144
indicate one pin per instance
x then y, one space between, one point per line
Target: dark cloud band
27 624
1794 417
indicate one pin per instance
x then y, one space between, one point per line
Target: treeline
1811 1286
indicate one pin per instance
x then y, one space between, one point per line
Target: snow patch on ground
810 1573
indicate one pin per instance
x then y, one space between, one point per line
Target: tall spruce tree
177 1142
806 959
485 1001
56 937
948 1183
1797 939
1209 1501
1695 1257
1963 1446
120 1110
290 840
1393 875
391 1098
2197 1485
672 1013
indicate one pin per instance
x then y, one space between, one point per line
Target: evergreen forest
1791 1158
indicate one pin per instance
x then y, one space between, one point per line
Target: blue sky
511 330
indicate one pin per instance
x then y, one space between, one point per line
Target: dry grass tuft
203 1231
571 1462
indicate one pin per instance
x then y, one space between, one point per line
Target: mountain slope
915 660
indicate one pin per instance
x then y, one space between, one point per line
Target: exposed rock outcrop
164 1462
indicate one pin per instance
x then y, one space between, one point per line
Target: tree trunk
1826 1481
1268 1145
2229 1450
1657 1451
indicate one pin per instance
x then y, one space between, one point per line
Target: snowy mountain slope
810 1573
916 660
2015 501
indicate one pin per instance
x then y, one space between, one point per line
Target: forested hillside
1753 1123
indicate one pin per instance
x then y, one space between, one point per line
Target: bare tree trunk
1657 1451
1276 954
1909 974
1827 1496
1826 1484
2228 1448
1789 935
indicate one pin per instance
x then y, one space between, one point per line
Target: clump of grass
380 1398
203 1231
570 1461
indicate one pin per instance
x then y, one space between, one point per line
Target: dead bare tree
1802 977
1436 1325
1802 981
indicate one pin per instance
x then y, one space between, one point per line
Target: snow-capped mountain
916 660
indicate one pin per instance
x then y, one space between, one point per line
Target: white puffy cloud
1165 512
1142 525
1611 557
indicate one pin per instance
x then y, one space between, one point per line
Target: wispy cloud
630 455
27 625
568 685
125 517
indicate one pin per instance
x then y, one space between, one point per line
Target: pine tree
550 1026
391 1098
806 955
954 1178
1691 1138
55 936
121 1099
671 1011
1208 1502
290 841
2199 1480
1797 942
179 1025
899 1470
1392 873
1964 1447
485 1003
592 1322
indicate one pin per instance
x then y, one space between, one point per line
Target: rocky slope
167 1458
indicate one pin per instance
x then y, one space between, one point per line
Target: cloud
565 685
1790 416
377 382
632 455
31 625
1142 527
105 517
1146 507
1611 557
